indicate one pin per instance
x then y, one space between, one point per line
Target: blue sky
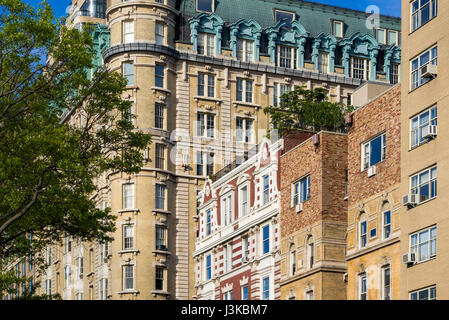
387 7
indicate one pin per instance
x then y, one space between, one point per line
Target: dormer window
206 44
280 14
245 50
337 28
381 36
205 5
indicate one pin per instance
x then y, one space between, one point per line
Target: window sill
156 211
130 291
160 292
248 104
128 210
423 261
421 144
161 89
128 251
424 202
197 98
166 252
412 32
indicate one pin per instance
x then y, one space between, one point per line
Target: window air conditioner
408 258
410 200
299 207
429 71
371 171
429 131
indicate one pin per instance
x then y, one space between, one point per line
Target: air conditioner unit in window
299 207
429 132
408 258
371 171
410 200
429 71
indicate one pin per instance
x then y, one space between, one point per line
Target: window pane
376 151
204 5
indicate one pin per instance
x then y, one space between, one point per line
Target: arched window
310 254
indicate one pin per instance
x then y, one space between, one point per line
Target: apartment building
424 152
237 249
199 74
313 216
374 199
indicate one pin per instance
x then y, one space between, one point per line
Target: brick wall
326 164
382 114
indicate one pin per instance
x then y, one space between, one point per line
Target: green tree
307 109
48 164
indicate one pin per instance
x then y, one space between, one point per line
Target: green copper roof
316 18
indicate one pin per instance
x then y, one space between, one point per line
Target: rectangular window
386 278
373 151
244 91
323 62
205 5
360 68
289 16
279 90
245 292
244 130
362 287
160 156
206 44
292 263
199 163
245 247
310 254
301 190
337 29
160 33
424 184
159 277
128 237
363 234
210 85
381 36
128 196
430 56
266 239
208 267
394 73
424 244
266 288
204 158
128 31
393 38
160 238
422 11
128 277
387 224
266 189
245 50
128 73
228 258
419 123
160 197
205 125
68 275
287 57
208 222
226 209
424 294
227 295
159 116
159 76
244 201
80 266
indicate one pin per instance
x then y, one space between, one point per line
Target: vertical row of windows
422 11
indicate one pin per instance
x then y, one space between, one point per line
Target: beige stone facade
422 95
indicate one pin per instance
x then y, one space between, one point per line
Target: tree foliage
307 109
48 166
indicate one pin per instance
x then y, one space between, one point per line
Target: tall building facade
237 249
424 152
199 74
373 198
313 217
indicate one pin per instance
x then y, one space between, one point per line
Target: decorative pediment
281 33
225 189
101 38
324 42
393 53
361 44
246 29
209 23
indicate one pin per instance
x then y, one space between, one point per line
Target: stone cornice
152 48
